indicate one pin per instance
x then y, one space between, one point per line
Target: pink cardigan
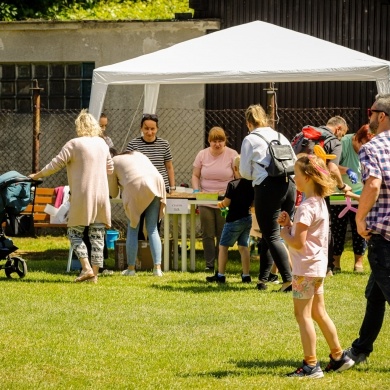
140 183
88 161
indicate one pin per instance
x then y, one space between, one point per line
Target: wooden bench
44 196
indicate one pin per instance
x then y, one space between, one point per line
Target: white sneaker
128 272
157 272
107 272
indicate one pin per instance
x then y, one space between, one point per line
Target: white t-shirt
312 259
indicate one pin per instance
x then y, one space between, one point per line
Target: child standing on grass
307 239
238 198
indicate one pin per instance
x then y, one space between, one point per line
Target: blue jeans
237 231
271 197
377 293
151 219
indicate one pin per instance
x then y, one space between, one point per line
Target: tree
11 10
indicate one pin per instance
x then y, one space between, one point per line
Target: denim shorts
237 231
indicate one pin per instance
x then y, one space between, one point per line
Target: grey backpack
282 158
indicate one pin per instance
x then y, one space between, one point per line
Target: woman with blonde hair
88 161
213 169
272 194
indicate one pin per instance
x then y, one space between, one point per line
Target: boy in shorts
238 198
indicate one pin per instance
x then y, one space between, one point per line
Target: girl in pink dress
307 239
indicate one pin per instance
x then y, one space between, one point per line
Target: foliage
92 9
8 12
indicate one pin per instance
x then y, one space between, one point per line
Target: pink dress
312 259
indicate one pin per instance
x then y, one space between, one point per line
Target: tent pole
271 105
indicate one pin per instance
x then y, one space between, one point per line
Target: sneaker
261 285
307 371
157 272
246 279
128 272
216 278
107 272
356 357
209 269
273 278
339 365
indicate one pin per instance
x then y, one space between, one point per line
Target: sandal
84 275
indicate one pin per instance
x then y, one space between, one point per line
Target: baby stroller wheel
15 264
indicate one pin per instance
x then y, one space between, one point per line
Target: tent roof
248 53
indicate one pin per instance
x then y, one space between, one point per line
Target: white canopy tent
255 52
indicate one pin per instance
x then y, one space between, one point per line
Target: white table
175 232
175 235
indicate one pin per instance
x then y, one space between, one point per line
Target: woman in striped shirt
159 153
157 149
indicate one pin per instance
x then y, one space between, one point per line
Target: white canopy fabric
250 53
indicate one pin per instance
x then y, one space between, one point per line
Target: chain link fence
185 129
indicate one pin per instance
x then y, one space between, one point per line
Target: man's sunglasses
370 112
153 117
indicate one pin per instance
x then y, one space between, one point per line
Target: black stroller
16 193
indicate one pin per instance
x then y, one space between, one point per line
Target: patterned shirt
375 160
158 152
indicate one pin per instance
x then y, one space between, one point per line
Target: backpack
282 158
304 141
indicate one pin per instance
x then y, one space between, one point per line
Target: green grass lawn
174 332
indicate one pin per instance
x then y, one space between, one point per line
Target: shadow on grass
200 286
51 261
260 367
255 367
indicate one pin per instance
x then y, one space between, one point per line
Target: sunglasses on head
370 112
153 117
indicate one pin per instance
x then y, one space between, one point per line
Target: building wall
104 43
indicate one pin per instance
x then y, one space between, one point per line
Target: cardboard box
120 255
144 260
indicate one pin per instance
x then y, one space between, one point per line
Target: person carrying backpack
329 138
273 194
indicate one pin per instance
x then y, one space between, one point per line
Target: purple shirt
375 161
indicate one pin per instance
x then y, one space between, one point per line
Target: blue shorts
237 231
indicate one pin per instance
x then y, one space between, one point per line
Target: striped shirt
375 161
158 152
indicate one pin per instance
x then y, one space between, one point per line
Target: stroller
16 193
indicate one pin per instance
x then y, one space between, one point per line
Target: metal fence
186 131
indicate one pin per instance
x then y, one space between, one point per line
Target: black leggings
272 196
